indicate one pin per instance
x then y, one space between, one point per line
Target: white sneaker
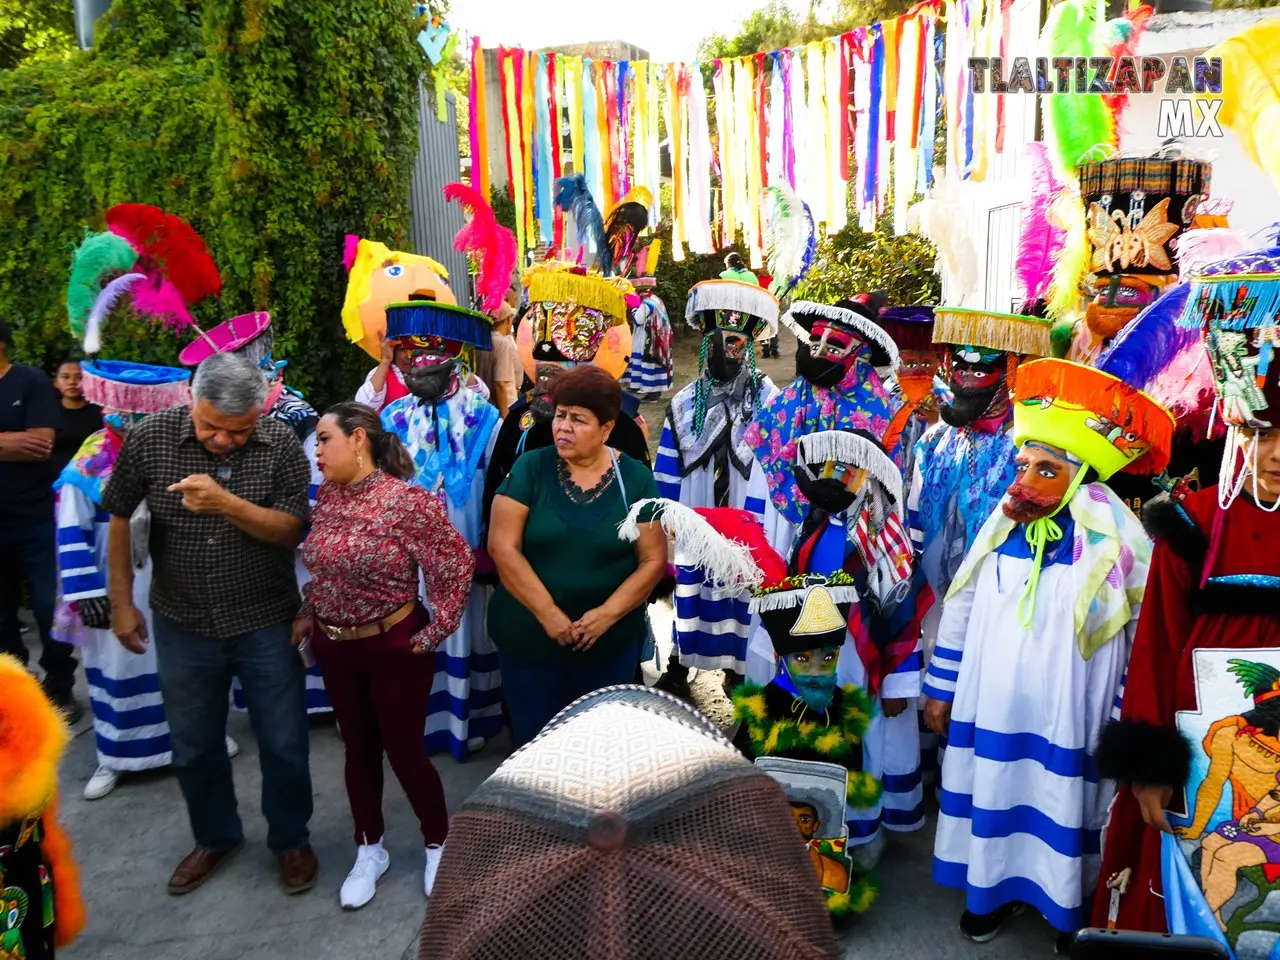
361 883
102 782
434 853
233 748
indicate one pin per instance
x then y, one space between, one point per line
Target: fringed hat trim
1093 415
738 297
1006 332
135 387
427 318
595 293
840 446
839 584
868 330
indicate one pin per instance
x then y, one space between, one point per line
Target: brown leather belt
368 629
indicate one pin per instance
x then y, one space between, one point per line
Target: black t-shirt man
73 429
27 402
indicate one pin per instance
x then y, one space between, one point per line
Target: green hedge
274 128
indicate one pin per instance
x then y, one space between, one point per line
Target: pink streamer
788 139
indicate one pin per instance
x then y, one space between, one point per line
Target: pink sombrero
225 337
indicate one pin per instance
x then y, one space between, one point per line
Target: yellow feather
838 903
828 741
771 741
1067 211
807 728
1251 92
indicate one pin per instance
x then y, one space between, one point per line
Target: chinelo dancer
1031 651
1192 835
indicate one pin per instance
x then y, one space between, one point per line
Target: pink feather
492 245
1040 240
1196 248
160 300
1186 387
350 245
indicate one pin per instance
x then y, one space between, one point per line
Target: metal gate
435 221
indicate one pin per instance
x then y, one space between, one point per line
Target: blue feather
810 251
1150 341
574 196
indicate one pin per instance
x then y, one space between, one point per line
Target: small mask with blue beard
812 674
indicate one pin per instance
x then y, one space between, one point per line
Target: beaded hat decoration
443 321
135 387
1098 418
734 307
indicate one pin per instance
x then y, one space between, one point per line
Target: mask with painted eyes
433 368
831 486
977 378
915 375
813 675
726 352
1043 475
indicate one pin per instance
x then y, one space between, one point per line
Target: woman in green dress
568 615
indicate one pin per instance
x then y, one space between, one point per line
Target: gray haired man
227 494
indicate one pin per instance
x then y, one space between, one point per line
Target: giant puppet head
377 276
983 349
435 335
833 339
733 317
154 261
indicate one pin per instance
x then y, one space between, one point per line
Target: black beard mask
719 366
542 407
432 383
967 404
830 494
818 371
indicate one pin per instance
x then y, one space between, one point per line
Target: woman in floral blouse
371 532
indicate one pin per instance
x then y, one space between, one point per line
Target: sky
669 29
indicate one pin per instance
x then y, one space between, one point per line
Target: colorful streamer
477 112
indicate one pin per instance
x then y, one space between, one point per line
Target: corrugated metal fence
436 222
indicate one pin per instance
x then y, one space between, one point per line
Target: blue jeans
536 692
27 552
195 677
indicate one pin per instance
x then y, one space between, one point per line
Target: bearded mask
977 381
540 403
832 487
813 675
433 368
1117 300
1043 479
726 352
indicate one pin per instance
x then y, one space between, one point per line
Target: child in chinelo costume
803 728
40 905
1032 649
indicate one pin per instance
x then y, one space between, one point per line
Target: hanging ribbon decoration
478 125
675 133
507 60
528 144
544 205
557 147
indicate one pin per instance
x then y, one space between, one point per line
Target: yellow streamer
527 145
817 145
573 103
514 154
606 198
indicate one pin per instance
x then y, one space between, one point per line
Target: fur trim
666 587
1166 521
870 331
862 893
170 387
1007 332
1134 752
421 318
68 905
33 736
863 791
773 734
725 563
1216 597
841 446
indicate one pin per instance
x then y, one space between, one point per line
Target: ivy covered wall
273 127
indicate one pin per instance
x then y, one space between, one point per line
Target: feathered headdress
622 228
1075 126
942 218
491 246
1041 240
1261 681
153 257
574 197
790 239
1250 97
1198 248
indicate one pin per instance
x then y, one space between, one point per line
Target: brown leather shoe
298 869
197 867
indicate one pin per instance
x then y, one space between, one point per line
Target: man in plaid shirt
226 491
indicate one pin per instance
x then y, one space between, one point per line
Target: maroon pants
379 689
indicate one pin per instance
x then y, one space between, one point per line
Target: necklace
575 492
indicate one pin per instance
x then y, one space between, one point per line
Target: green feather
1060 337
100 258
1256 678
1075 122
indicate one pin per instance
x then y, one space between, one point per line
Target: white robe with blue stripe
1022 807
711 630
129 726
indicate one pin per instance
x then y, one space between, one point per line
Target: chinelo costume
40 905
912 330
1031 651
1199 716
649 372
704 459
124 688
449 431
838 388
802 728
855 523
250 336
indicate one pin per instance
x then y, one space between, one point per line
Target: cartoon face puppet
1044 474
378 275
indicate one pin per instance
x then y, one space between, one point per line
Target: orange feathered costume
33 737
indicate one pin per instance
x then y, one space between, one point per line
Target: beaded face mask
574 331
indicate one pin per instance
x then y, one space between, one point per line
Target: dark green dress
575 551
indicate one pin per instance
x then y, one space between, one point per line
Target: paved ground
128 843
